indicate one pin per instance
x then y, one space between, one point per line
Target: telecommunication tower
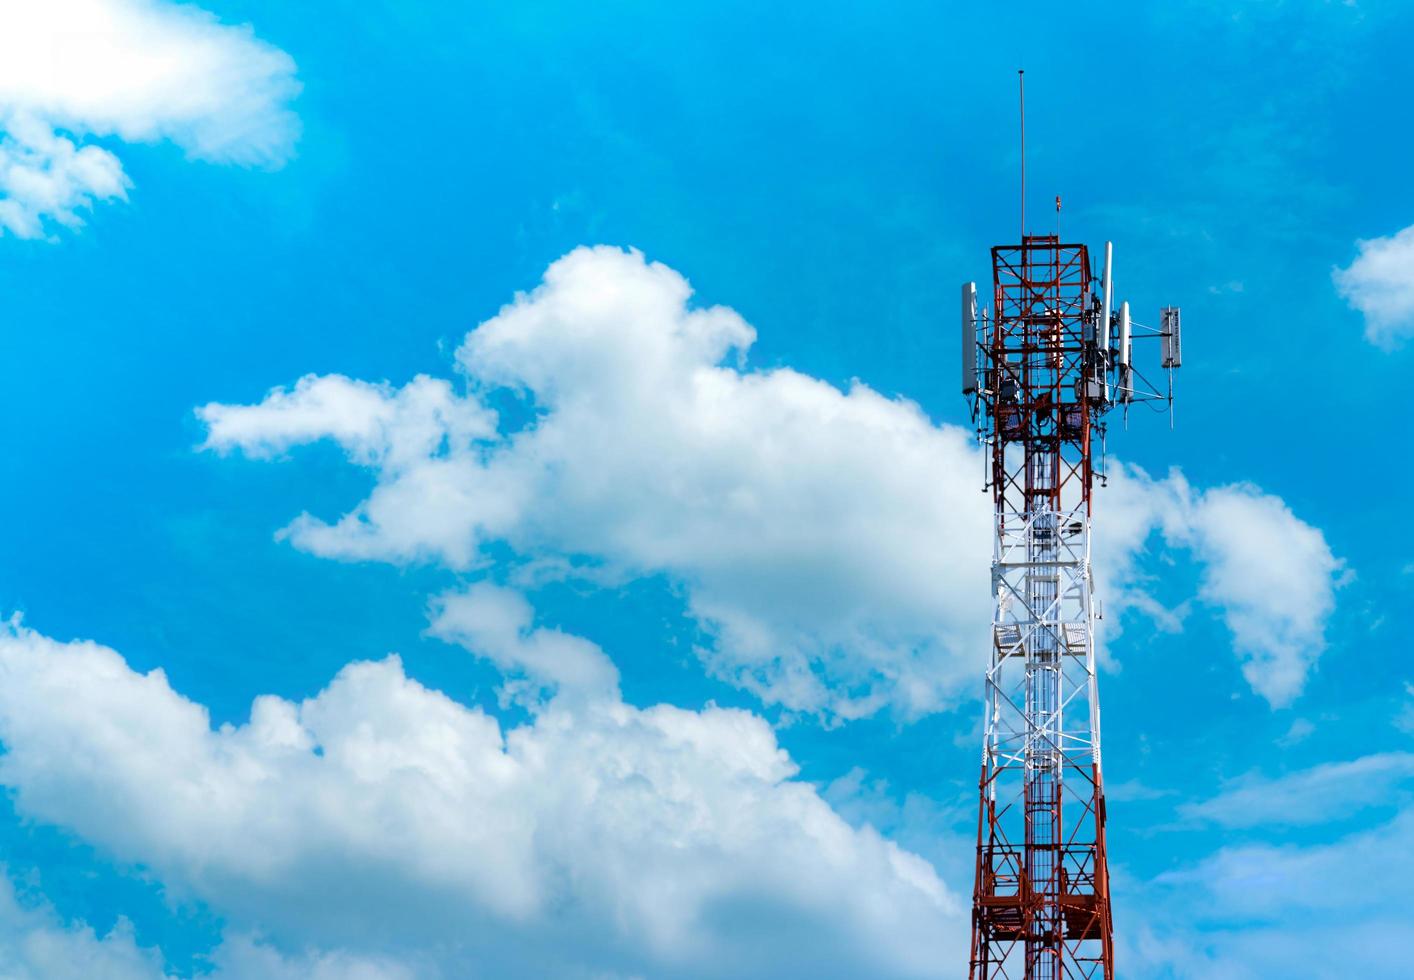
1043 368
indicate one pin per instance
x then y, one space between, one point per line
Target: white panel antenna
1172 346
1109 288
1126 388
969 338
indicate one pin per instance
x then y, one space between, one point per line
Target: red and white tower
1043 367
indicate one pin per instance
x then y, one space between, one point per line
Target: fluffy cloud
1272 575
382 815
823 536
47 176
138 70
36 945
497 624
1380 284
832 544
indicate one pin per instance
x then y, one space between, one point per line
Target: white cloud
47 176
943 832
137 70
1300 730
1332 791
376 424
1380 284
1132 790
833 545
1246 912
497 624
36 945
1272 575
380 815
242 958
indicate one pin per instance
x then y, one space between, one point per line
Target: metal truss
1045 378
1042 896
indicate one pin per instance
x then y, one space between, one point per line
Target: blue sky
686 593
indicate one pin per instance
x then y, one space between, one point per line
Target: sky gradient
487 493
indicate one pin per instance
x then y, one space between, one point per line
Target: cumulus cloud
497 623
832 544
830 541
1380 284
137 70
35 944
381 815
47 176
1272 576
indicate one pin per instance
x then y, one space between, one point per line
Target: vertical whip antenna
1021 85
1042 375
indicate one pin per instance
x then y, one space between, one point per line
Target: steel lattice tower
1043 371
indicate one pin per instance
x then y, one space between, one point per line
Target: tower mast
1043 369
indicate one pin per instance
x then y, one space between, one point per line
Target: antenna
1042 373
969 338
1021 84
1105 316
